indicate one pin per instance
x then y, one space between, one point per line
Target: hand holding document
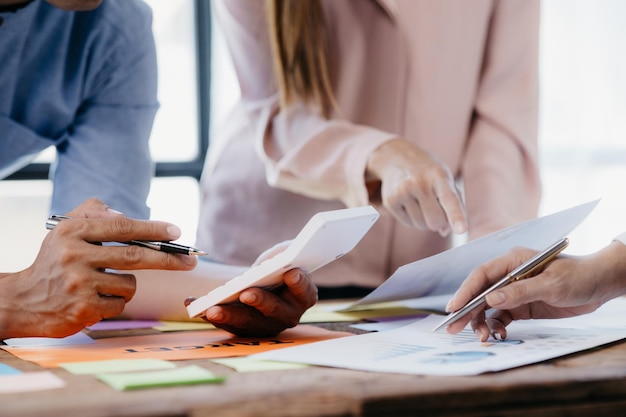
442 274
327 236
518 273
415 349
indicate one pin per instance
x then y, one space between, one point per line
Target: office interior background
582 132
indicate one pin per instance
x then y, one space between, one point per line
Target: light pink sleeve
302 152
500 170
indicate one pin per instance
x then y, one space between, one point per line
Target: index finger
120 229
484 276
452 205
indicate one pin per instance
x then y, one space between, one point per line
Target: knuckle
66 255
122 225
171 261
519 292
81 312
416 182
132 255
132 282
117 308
94 203
74 281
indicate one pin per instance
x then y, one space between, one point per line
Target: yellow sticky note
175 326
116 365
246 364
187 375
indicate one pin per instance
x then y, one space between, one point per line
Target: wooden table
583 384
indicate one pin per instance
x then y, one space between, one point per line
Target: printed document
416 349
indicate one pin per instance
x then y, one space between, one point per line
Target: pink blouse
456 77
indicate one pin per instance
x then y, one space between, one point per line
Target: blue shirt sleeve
105 153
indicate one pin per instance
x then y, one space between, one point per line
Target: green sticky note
187 375
246 364
116 365
175 326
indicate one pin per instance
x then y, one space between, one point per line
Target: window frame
192 167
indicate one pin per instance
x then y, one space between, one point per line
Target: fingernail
497 336
459 227
298 278
448 305
496 298
248 298
215 316
478 334
173 231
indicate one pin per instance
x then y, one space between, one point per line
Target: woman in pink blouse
390 103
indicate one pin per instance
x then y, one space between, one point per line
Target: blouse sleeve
302 151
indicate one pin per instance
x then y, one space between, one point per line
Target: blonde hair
297 30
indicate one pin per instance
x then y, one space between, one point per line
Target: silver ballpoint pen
167 247
518 273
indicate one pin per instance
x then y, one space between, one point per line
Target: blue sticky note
8 370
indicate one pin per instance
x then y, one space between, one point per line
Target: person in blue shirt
81 75
86 83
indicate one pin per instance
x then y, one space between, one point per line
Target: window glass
583 114
175 134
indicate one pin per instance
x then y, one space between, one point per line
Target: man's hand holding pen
70 285
163 246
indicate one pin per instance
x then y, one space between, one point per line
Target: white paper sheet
30 381
443 273
415 349
79 338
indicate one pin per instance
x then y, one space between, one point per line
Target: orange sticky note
172 346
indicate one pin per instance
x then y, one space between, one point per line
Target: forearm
13 317
5 307
323 159
161 294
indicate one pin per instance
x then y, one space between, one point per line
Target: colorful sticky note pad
187 375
